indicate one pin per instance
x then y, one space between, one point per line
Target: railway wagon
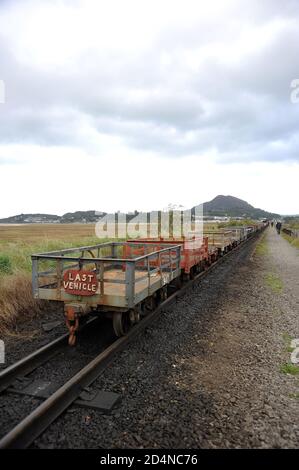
252 229
194 251
239 233
106 278
220 241
123 280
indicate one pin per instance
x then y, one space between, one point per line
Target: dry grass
41 232
17 243
292 240
16 302
237 223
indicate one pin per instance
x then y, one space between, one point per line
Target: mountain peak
234 207
226 203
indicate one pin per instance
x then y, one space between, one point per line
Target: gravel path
207 374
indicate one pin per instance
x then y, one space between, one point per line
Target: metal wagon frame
220 239
48 284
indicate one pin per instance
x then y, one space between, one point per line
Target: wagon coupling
72 323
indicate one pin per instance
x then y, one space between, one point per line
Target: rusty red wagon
194 251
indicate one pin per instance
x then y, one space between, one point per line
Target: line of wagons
126 280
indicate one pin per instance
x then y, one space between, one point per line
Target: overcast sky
123 105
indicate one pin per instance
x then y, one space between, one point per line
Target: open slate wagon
194 251
106 278
222 240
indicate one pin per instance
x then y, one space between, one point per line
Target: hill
70 217
31 219
81 217
229 206
234 207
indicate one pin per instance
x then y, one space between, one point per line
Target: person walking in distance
278 227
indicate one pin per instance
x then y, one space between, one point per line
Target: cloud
176 80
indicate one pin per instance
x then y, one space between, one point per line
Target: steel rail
31 362
24 433
34 360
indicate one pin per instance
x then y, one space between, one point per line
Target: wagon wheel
121 323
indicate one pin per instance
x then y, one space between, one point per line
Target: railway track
35 423
36 359
31 362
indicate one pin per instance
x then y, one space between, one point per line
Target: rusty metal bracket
72 323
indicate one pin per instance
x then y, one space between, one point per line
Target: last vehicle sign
78 282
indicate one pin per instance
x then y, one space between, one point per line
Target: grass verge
274 282
289 368
262 248
293 241
287 339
